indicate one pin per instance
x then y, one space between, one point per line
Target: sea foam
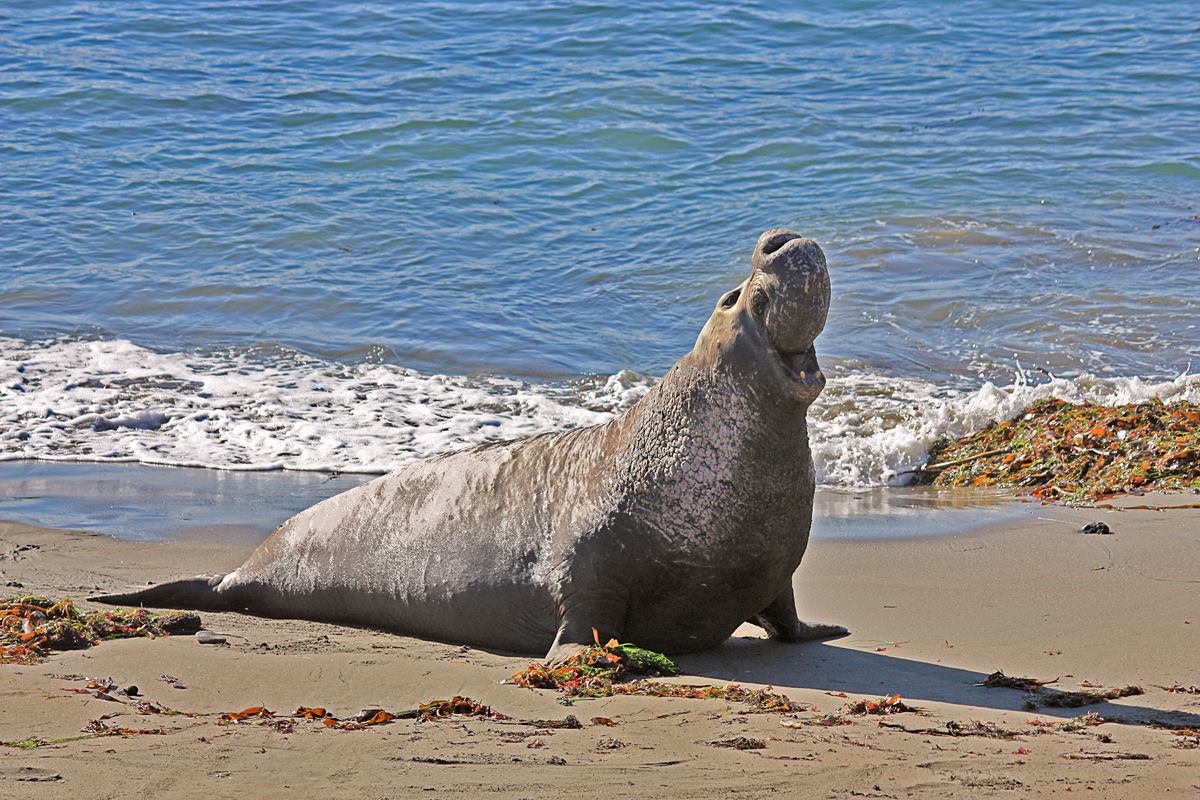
273 408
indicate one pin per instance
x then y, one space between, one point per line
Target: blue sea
338 236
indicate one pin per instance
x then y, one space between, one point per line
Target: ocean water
335 237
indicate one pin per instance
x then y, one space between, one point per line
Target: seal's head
772 320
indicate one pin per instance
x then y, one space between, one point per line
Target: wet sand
930 618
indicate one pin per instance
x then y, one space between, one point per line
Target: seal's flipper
780 622
200 593
572 636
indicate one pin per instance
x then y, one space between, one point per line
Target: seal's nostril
777 241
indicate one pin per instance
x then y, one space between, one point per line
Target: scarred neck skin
722 439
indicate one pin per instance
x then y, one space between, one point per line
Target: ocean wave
274 408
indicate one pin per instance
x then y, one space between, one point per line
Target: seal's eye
759 304
731 299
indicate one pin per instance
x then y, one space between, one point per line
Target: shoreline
155 503
929 618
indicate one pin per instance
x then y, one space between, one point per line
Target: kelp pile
882 706
594 670
615 669
1077 452
32 626
367 717
1040 694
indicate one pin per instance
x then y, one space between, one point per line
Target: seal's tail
199 593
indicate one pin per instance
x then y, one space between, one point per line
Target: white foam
73 400
867 430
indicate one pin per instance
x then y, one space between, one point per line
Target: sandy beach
930 618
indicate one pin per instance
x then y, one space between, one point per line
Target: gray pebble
208 637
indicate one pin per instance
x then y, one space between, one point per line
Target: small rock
132 691
1095 527
208 637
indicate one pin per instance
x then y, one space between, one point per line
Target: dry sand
930 618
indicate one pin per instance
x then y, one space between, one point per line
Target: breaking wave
274 408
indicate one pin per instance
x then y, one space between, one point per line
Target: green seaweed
616 668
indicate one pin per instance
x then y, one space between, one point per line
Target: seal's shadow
825 667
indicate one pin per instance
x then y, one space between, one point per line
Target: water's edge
139 502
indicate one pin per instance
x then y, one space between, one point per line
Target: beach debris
310 713
151 707
102 728
368 717
739 743
247 713
1081 723
1096 528
30 774
105 689
1181 689
92 730
31 627
603 721
594 670
607 744
569 722
615 668
1077 452
1057 698
1086 756
1039 694
987 730
820 721
999 680
523 737
173 682
208 637
884 705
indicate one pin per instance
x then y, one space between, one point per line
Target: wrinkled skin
667 526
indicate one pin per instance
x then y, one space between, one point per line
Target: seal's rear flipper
193 593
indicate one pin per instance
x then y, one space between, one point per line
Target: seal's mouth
803 369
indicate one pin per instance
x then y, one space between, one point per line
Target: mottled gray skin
667 526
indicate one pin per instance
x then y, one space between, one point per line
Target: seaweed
1057 698
739 743
94 729
988 730
32 626
999 680
1077 452
615 668
882 706
1041 694
368 717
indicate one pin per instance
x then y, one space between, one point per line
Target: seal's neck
728 407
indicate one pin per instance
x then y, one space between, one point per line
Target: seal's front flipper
809 631
780 622
572 636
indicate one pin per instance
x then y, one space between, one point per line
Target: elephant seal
667 526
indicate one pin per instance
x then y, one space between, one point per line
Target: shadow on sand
824 667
